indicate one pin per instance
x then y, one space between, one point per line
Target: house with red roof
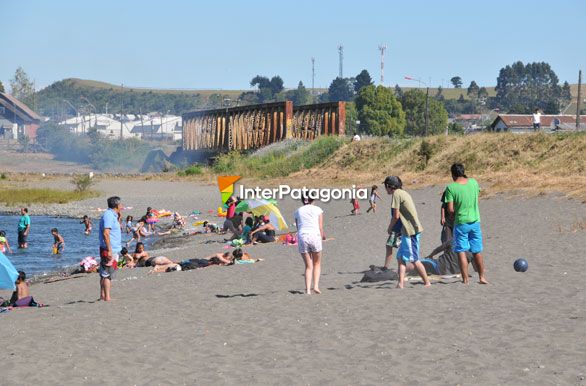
523 123
17 120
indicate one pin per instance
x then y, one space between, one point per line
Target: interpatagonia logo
226 185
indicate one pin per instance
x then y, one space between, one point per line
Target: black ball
521 265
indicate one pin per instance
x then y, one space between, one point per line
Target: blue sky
223 44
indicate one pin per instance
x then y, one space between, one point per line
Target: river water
38 258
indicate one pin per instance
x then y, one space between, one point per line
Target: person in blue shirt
24 228
110 245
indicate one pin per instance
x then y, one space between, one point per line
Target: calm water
38 258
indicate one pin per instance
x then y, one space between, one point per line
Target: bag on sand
379 274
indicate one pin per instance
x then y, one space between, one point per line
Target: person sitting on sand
59 242
233 225
246 230
178 221
264 233
21 296
87 222
125 259
209 227
4 244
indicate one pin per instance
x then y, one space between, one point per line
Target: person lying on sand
141 258
224 259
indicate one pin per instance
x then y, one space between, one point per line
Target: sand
248 324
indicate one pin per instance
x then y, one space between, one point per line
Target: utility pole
341 61
312 76
579 99
426 108
382 49
121 108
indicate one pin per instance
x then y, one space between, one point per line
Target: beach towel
88 263
27 302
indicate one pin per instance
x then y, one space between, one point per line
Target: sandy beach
249 324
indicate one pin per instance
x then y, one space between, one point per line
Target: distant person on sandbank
462 199
310 233
405 211
110 245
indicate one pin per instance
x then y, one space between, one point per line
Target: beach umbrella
8 274
260 207
244 205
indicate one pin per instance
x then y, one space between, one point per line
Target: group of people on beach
460 217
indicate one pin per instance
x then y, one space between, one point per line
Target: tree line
520 88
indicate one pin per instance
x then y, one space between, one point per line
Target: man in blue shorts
462 199
110 245
404 211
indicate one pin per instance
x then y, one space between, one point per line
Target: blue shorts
409 250
467 237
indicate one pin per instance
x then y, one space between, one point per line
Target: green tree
341 89
351 118
414 105
398 92
439 94
472 91
21 87
482 93
276 84
1 87
379 112
299 96
362 80
566 94
456 81
521 88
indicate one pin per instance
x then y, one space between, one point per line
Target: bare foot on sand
482 281
317 291
428 284
399 286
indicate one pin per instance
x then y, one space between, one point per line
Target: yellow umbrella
260 207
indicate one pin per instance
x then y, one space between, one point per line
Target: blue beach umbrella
8 274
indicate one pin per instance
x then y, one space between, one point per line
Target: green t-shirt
465 198
404 203
24 222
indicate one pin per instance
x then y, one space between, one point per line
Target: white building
132 126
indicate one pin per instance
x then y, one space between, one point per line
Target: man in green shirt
462 199
404 210
24 227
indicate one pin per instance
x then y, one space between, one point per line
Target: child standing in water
59 242
4 245
88 224
372 199
129 224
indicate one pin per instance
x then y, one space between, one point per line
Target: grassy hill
531 164
118 88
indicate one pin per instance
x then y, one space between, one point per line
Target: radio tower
312 76
382 49
341 60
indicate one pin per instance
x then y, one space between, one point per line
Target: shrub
82 182
425 152
193 170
